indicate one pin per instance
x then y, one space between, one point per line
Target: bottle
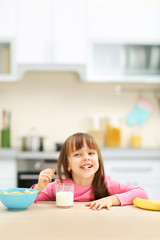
136 139
113 135
96 132
5 132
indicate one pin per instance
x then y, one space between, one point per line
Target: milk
64 199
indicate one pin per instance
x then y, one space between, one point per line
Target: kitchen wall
58 104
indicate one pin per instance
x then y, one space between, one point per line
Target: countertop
107 153
43 220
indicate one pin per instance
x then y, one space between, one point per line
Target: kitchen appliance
28 170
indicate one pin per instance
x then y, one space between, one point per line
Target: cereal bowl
17 198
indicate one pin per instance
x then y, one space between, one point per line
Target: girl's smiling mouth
86 166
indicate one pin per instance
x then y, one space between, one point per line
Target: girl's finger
92 204
46 176
100 207
87 204
46 179
49 175
95 206
107 207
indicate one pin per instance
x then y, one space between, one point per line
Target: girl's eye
91 153
77 155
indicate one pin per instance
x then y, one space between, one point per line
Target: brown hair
74 143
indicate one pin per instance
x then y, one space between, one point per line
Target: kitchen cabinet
7 18
7 40
33 31
123 21
138 172
51 31
124 62
7 60
69 31
122 47
108 41
8 169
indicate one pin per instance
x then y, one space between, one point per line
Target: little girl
81 163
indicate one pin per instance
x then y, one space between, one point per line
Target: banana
147 204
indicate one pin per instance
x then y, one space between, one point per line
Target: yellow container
136 141
113 138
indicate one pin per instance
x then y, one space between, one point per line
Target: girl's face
83 164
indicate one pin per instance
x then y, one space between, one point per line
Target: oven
29 169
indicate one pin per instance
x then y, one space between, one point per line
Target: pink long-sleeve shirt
126 193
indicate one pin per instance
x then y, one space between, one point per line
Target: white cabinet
51 31
8 173
7 40
143 173
122 20
7 18
124 41
109 41
69 31
33 31
124 62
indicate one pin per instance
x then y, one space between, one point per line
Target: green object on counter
5 138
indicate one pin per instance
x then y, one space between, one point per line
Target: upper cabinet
7 40
103 40
124 62
124 21
69 31
124 41
7 18
33 36
51 31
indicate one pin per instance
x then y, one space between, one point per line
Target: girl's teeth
89 166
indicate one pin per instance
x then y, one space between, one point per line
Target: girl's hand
105 202
45 177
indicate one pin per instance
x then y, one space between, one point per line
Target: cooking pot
32 143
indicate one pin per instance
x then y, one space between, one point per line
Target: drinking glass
64 194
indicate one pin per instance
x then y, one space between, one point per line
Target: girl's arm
45 188
126 193
47 194
120 194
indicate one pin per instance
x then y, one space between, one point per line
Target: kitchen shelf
124 62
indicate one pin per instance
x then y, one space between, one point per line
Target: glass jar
113 132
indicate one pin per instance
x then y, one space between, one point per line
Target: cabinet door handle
27 177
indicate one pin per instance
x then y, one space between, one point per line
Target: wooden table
43 220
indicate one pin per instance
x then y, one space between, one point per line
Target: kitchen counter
43 220
8 153
107 153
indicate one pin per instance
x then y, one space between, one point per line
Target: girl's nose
86 157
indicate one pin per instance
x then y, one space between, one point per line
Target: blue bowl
17 201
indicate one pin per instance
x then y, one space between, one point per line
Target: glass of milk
64 194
